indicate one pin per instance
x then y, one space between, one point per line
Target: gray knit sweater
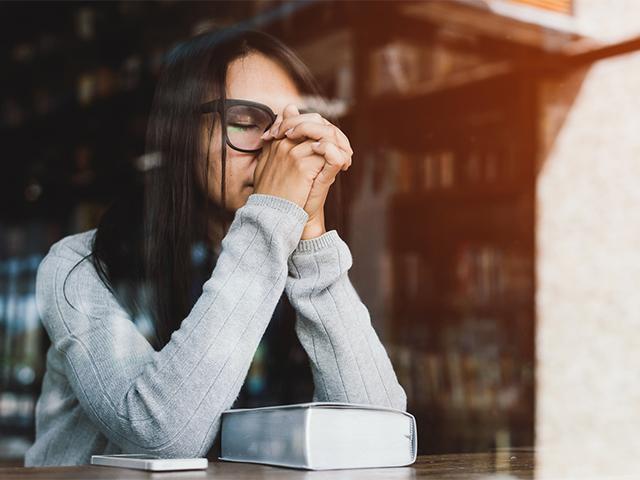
106 390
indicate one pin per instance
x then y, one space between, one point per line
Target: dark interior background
441 102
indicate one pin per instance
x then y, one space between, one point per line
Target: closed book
319 436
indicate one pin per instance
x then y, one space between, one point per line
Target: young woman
143 359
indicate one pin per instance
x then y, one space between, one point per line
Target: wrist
313 229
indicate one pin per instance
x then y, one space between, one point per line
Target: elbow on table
174 442
168 433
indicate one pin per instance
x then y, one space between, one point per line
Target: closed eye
242 126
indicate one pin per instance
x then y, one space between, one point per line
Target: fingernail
265 135
288 132
315 144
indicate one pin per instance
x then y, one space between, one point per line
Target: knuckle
296 127
298 165
283 147
291 108
296 153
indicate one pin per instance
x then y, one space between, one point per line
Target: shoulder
66 255
73 247
67 265
70 296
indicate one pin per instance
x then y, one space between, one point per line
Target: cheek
238 173
236 169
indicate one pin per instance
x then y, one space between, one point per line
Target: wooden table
515 464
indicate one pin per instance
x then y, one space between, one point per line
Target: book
319 436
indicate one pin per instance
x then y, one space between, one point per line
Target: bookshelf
462 247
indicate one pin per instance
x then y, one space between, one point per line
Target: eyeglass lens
245 125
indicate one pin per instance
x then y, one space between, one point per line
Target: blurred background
455 110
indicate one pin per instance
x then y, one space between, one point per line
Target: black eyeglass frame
215 106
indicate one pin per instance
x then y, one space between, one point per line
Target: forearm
348 361
169 402
209 356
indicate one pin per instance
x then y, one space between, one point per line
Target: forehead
260 79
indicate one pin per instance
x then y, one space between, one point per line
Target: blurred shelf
462 196
449 85
494 309
117 105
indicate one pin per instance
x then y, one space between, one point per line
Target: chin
241 200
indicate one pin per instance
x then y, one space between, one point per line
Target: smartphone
149 462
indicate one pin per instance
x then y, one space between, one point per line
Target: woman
136 364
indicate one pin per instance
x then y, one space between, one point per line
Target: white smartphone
149 462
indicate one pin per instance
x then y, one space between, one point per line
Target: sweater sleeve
169 402
348 361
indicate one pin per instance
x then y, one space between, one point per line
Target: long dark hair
143 245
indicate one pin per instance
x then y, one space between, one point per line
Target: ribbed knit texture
106 390
348 362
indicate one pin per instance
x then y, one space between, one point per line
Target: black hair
143 244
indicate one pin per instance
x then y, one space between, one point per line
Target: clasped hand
316 149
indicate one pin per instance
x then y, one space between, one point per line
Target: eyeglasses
245 122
